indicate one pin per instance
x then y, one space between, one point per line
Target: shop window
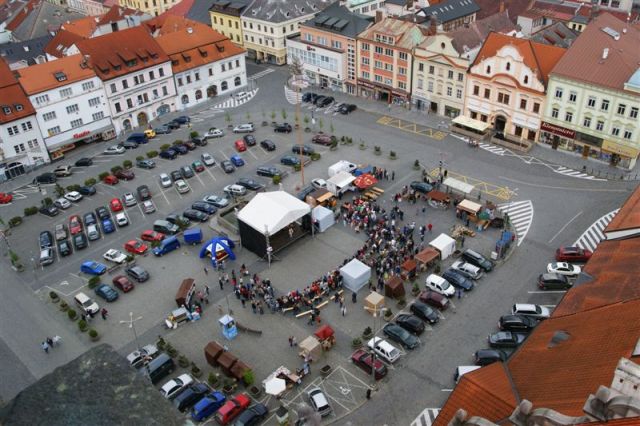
518 131
531 135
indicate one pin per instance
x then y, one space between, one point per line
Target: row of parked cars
323 101
192 396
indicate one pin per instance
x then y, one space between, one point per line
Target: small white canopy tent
323 218
355 275
444 244
458 185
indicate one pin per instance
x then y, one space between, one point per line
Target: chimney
433 25
501 6
379 16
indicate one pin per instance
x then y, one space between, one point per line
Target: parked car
250 184
136 247
146 164
172 125
143 192
198 141
236 160
165 180
60 232
477 259
62 203
89 219
268 145
87 190
573 254
458 280
204 207
182 149
196 215
318 99
138 273
207 406
190 396
128 145
304 149
214 132
235 190
290 160
73 196
173 387
197 166
142 356
84 162
102 212
318 401
181 186
108 226
110 180
152 236
467 269
207 159
183 119
563 268
249 140
243 128
505 339
440 285
518 323
162 129
322 139
45 178
64 248
364 360
50 210
252 415
240 145
434 299
46 256
114 150
63 171
148 207
326 101
489 356
347 108
424 312
410 323
123 283
553 282
129 200
186 172
169 154
121 219
538 312
384 349
232 409
75 224
177 220
106 292
268 171
115 205
216 200
91 267
319 183
282 128
400 335
85 303
125 174
309 97
227 166
80 241
93 232
115 256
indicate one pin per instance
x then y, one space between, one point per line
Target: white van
462 370
384 349
440 285
46 256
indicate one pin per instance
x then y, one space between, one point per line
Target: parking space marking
547 292
210 174
251 152
224 155
199 179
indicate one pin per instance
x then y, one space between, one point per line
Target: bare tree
295 67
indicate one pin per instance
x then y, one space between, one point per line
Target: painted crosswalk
595 233
574 173
520 216
493 149
237 99
261 74
426 418
292 96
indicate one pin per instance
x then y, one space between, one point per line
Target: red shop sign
560 131
81 134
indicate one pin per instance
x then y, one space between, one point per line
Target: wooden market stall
238 369
374 302
426 258
394 287
310 348
326 336
409 269
438 199
212 352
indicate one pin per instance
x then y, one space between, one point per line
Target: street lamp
373 352
131 323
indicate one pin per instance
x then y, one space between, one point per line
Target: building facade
136 74
506 85
449 14
204 62
385 59
364 7
87 7
593 105
21 144
152 7
326 48
70 101
225 19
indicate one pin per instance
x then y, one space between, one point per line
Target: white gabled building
21 146
70 101
204 62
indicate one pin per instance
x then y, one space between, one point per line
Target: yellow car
150 133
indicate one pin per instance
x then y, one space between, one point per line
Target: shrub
194 134
82 325
30 211
130 258
276 179
356 342
93 333
392 154
93 282
388 313
103 175
183 361
367 332
297 167
152 154
59 190
72 314
15 221
47 201
53 295
114 169
73 188
283 113
127 164
248 378
177 142
139 158
213 379
90 181
164 147
315 156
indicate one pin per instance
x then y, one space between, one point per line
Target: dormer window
117 67
60 76
508 66
18 107
6 109
175 63
488 69
526 79
131 63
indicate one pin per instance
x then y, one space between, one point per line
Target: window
224 86
98 116
432 69
336 44
66 92
53 131
365 60
420 84
526 79
460 76
388 81
237 82
47 116
322 41
531 135
26 126
388 67
615 131
215 20
42 99
628 134
476 90
450 75
487 93
377 64
403 56
591 102
237 62
503 98
365 46
523 104
586 122
117 107
518 131
72 108
604 106
180 83
621 109
87 85
600 125
488 69
152 75
196 76
402 71
129 103
13 130
378 50
568 117
161 72
19 148
536 107
188 79
125 84
555 112
308 37
76 123
113 88
402 85
165 91
558 94
573 96
33 144
509 69
459 93
365 75
94 101
421 67
449 91
633 113
224 68
430 86
378 78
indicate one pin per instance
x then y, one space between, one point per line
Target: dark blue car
237 160
169 154
107 226
107 292
180 149
207 406
458 280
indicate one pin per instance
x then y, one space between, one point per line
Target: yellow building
225 18
152 7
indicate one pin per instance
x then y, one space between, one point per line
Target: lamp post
373 352
131 323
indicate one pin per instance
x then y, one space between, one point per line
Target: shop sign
81 134
616 148
367 85
557 130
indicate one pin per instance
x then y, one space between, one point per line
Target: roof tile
41 77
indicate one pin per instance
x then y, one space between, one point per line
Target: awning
438 196
365 181
458 185
465 121
469 206
427 255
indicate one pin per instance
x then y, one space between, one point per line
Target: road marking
564 188
486 188
412 127
564 227
261 74
200 180
211 174
250 152
428 415
595 233
520 216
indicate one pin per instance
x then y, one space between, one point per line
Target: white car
115 256
138 358
208 159
148 207
181 186
171 389
129 199
114 150
165 180
73 196
319 183
235 190
440 285
121 219
319 401
214 132
243 128
467 269
62 203
564 268
384 349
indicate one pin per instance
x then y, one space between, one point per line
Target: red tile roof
629 215
12 95
42 77
491 7
60 42
584 60
19 17
110 53
486 392
83 27
116 13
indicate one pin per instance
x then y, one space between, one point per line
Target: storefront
57 150
380 92
469 127
451 112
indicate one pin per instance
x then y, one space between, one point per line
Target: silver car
319 401
243 128
165 180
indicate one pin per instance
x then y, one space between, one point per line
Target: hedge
103 175
152 154
90 182
30 211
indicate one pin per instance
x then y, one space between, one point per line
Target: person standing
104 313
430 227
206 289
206 271
45 347
462 241
344 311
221 283
393 175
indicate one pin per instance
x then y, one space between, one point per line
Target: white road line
520 215
428 415
565 226
594 234
252 154
211 174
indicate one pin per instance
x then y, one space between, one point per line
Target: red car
363 359
125 174
322 139
123 283
110 180
150 235
240 145
232 408
116 205
75 225
434 299
572 254
136 247
5 198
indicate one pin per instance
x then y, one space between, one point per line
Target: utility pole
131 323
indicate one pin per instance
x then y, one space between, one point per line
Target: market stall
355 275
374 302
273 384
409 269
427 257
438 199
326 336
365 181
394 287
323 218
445 245
458 185
310 348
238 369
212 351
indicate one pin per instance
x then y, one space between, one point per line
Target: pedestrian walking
253 306
393 175
459 291
294 341
104 313
467 222
369 393
206 289
429 227
243 302
206 271
290 341
344 311
50 342
462 241
221 283
45 347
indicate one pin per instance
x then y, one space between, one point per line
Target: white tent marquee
444 244
355 275
272 211
323 217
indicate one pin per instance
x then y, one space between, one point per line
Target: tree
295 66
284 114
